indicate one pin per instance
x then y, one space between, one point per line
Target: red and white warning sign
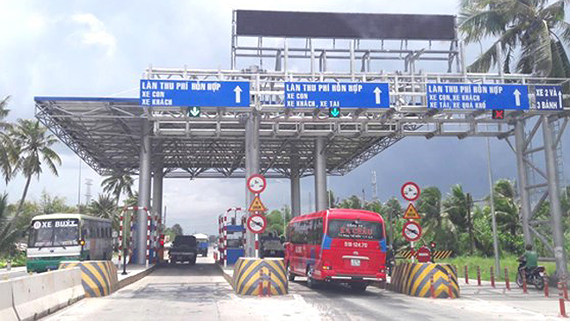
256 223
256 205
256 183
411 213
412 231
410 191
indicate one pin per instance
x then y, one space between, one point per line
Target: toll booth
232 236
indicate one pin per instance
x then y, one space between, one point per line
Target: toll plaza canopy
106 133
325 106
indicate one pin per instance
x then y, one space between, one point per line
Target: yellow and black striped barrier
440 255
436 255
251 273
99 278
414 279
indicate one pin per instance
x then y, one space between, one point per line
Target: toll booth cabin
232 236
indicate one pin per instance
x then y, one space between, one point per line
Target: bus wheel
290 275
358 286
311 282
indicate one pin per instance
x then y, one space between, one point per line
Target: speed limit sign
256 223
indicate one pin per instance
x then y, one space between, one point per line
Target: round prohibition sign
256 183
257 223
412 231
410 191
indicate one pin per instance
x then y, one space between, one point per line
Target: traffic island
253 276
99 278
425 280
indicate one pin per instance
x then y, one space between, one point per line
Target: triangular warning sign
256 205
412 213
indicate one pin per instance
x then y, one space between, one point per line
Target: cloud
97 33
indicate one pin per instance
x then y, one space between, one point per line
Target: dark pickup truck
184 248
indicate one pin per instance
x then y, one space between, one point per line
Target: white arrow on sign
377 93
517 94
194 111
238 90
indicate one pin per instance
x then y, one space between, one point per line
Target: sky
101 48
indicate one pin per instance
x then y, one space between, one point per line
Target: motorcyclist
530 258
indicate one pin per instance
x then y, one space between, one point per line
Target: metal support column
295 185
251 167
144 194
523 181
157 189
321 202
553 193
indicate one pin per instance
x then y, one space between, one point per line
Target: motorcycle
534 277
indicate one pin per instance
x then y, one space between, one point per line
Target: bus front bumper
45 264
333 276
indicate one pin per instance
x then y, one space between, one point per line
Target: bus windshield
355 229
64 232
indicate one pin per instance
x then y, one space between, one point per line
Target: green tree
177 230
435 221
7 152
458 207
54 204
104 207
33 144
132 200
9 231
351 202
118 183
532 29
393 212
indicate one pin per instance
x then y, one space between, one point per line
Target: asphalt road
183 292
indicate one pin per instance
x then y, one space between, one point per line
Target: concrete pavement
200 292
183 292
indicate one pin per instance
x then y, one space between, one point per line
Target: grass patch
485 264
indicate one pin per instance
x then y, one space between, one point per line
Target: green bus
67 237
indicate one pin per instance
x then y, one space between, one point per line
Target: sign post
412 230
256 222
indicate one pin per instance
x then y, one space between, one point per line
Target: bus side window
318 230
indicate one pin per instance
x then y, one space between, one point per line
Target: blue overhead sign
548 97
160 93
336 94
477 96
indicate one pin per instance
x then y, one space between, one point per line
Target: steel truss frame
106 132
540 166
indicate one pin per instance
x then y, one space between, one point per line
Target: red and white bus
337 245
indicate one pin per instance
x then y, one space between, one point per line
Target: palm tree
8 231
506 209
392 211
435 221
117 184
458 208
105 207
533 29
6 147
32 143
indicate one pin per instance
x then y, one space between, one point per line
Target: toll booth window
234 243
355 229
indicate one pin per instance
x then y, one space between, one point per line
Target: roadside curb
226 276
136 277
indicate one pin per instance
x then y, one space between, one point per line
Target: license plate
355 262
